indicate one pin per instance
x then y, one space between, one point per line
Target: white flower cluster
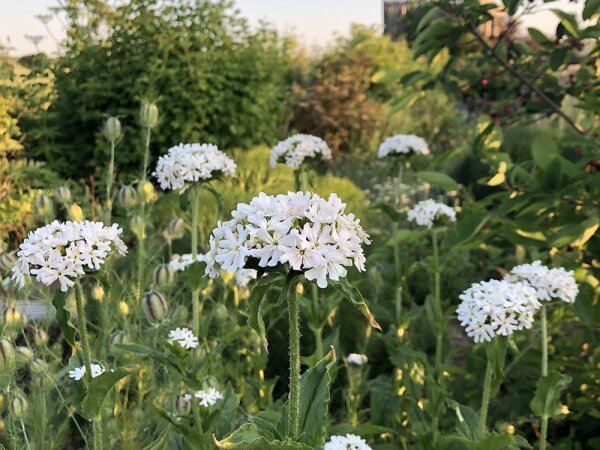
179 263
403 144
189 163
295 149
62 251
426 212
243 277
208 397
79 372
496 307
310 233
357 359
555 283
348 442
184 337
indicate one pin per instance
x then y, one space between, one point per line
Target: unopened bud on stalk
154 306
123 308
18 405
63 194
163 275
7 261
40 338
24 355
111 129
118 337
138 227
148 114
39 366
180 314
146 192
14 319
182 405
7 356
98 292
220 312
43 205
76 213
42 381
127 196
176 228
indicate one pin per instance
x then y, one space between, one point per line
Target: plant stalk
439 334
485 400
109 183
195 293
294 398
396 246
544 420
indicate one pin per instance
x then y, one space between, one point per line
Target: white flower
64 251
426 212
208 397
307 232
357 359
403 144
179 263
555 283
190 163
79 372
496 307
348 442
244 276
184 337
295 149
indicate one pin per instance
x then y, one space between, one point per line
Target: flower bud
39 366
24 355
148 114
111 129
127 196
43 205
176 228
146 192
123 308
18 405
138 227
14 319
220 312
163 275
63 194
7 356
7 261
97 292
76 213
180 314
40 338
118 337
42 381
154 306
182 405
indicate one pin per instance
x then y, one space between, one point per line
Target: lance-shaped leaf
196 440
217 197
255 319
63 317
546 401
99 387
355 297
151 353
247 437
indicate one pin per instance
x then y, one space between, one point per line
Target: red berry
484 82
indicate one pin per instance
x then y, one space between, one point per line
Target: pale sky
315 22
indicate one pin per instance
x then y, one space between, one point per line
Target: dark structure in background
398 15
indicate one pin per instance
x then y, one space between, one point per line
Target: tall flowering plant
287 238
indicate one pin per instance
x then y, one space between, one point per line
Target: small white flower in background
426 212
403 144
243 277
496 307
348 442
357 359
64 251
79 372
555 283
294 150
208 397
190 163
179 263
310 233
184 337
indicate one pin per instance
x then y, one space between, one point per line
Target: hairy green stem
544 420
318 332
148 133
439 333
485 400
294 324
396 246
109 183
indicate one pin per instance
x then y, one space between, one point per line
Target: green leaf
496 355
467 420
538 36
499 442
571 233
99 387
428 17
248 437
542 148
217 197
591 8
438 179
389 211
546 401
151 353
355 297
196 440
255 299
63 317
467 227
195 276
568 21
557 57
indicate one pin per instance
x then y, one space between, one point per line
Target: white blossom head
190 163
208 397
300 230
65 251
298 148
184 337
549 284
179 263
427 212
496 307
357 359
403 145
79 372
348 442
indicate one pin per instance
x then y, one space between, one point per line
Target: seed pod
18 405
40 338
42 381
14 319
39 366
127 196
176 228
118 337
98 292
138 227
154 306
148 114
146 192
43 205
220 312
63 194
7 261
180 314
182 405
24 355
163 275
7 356
111 129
